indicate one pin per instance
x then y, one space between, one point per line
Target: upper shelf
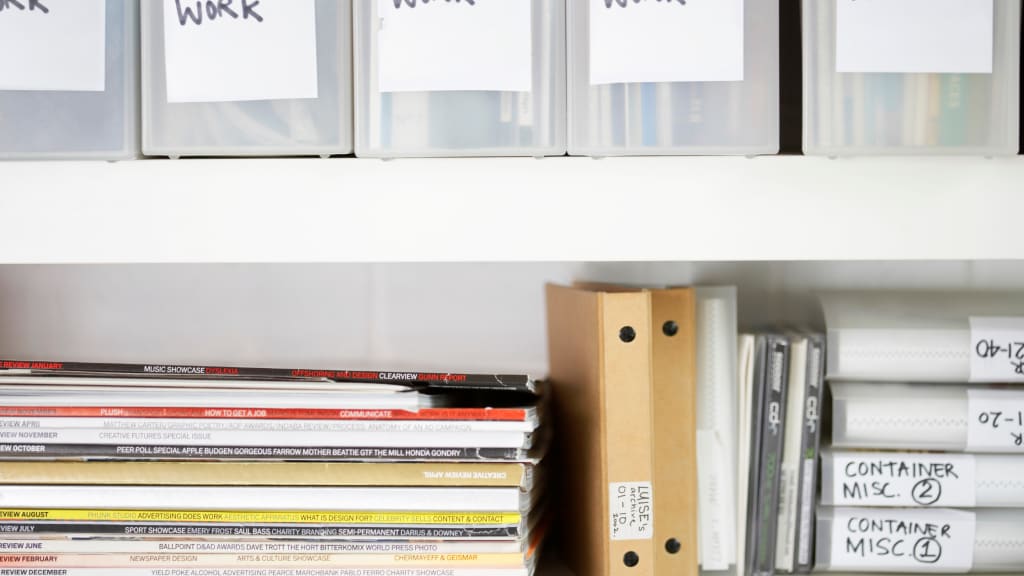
555 209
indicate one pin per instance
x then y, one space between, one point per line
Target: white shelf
556 209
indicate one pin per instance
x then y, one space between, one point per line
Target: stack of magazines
149 470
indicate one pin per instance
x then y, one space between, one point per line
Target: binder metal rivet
627 334
631 559
670 328
672 546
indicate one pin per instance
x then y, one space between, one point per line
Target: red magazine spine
488 414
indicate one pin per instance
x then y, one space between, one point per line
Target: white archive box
273 79
909 541
906 78
673 78
483 78
924 336
72 90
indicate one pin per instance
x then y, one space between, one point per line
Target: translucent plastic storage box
847 113
314 126
401 119
684 118
85 123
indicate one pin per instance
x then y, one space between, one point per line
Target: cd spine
811 447
776 378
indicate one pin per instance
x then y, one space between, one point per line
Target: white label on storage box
231 51
884 479
926 540
997 349
631 510
440 45
908 36
53 45
666 41
995 421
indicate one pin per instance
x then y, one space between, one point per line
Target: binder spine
627 406
811 447
674 415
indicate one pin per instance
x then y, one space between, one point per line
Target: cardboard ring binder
631 559
670 328
641 401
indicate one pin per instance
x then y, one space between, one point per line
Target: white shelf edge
555 209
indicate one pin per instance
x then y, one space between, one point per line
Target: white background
442 46
227 59
389 316
64 50
944 36
701 41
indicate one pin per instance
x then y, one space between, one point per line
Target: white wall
427 316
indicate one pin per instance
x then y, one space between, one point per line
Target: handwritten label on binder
666 41
631 510
218 51
880 479
997 349
908 36
427 46
939 540
53 45
995 420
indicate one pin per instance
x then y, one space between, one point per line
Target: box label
995 421
232 51
938 540
631 510
666 41
53 45
997 349
432 46
915 36
880 479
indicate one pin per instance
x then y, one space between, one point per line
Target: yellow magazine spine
259 560
265 517
264 474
